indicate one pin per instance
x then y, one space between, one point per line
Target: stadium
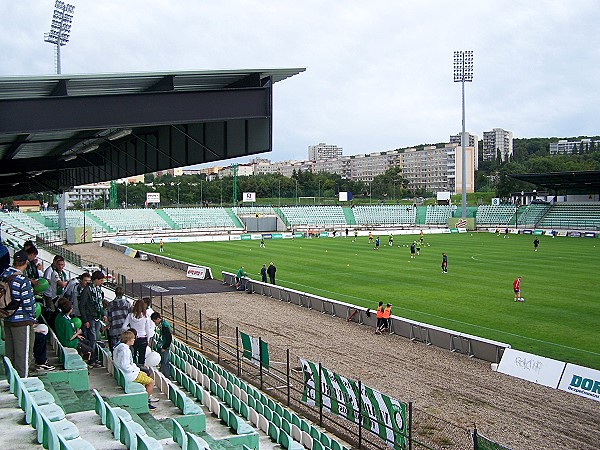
297 364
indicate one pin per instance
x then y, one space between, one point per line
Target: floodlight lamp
69 157
89 149
119 134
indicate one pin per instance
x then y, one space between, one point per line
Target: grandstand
74 219
439 214
385 215
490 215
313 215
190 218
26 224
130 219
578 216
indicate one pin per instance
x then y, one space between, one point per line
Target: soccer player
536 242
376 243
370 237
412 249
161 246
517 290
262 241
444 263
355 235
391 240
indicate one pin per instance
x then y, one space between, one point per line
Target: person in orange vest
385 322
379 316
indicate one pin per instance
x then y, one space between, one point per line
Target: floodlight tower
463 71
60 28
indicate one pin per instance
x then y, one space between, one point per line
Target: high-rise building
497 140
472 141
324 151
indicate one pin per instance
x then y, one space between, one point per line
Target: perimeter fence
283 380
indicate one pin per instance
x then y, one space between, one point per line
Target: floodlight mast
463 71
60 28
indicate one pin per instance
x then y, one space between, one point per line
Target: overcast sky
378 73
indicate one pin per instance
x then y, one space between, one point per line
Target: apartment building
497 140
566 147
472 141
324 151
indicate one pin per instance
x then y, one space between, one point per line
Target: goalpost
307 200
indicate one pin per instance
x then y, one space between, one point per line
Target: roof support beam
131 110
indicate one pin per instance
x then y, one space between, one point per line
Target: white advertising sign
581 381
496 201
152 197
196 272
538 369
249 197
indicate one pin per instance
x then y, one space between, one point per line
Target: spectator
123 360
163 339
263 273
19 316
144 328
4 258
239 279
73 291
39 347
116 313
271 272
57 281
70 337
90 307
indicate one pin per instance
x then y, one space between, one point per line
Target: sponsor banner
581 381
82 234
172 239
382 415
255 349
538 232
130 252
534 368
453 230
575 234
196 272
561 233
345 196
152 197
527 231
457 222
496 201
245 237
589 234
249 197
267 236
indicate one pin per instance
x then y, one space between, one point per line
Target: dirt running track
460 390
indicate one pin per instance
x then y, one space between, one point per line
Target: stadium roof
64 130
562 180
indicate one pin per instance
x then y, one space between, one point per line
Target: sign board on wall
538 369
345 196
581 381
249 197
152 197
197 272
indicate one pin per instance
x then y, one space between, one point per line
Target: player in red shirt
517 289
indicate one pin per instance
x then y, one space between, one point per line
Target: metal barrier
454 341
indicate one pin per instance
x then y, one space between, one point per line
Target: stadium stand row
385 215
584 216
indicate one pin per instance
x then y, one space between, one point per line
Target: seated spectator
123 360
69 337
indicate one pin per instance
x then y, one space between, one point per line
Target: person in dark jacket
271 272
91 308
162 340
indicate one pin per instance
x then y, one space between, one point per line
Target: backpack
5 295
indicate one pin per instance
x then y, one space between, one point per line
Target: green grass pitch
560 317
